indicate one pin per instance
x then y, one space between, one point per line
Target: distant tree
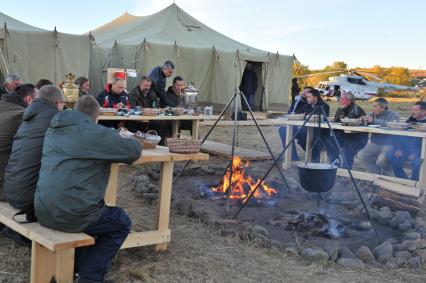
299 71
337 66
398 75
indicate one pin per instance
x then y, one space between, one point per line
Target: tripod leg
349 172
208 133
264 140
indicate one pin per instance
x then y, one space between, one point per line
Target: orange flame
242 183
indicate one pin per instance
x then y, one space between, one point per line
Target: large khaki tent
212 61
35 53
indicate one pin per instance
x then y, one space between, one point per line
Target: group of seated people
377 153
55 166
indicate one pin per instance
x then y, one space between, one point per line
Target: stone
374 213
315 254
291 251
403 216
244 230
403 254
277 245
385 215
421 253
262 241
420 222
421 244
345 252
415 262
396 262
333 250
364 253
383 252
408 245
258 230
204 211
392 241
364 226
405 226
350 262
412 236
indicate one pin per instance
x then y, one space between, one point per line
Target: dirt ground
198 252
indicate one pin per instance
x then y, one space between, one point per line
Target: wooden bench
52 254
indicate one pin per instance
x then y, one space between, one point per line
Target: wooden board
49 238
138 239
398 188
222 149
157 118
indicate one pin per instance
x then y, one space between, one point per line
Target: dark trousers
350 145
110 231
397 165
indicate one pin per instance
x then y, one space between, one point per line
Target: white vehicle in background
358 85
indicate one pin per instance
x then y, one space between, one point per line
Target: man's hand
367 119
120 105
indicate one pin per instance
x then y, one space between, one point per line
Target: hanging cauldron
317 177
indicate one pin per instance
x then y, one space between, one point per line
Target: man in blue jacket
75 168
158 77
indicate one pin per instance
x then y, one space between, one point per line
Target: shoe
82 280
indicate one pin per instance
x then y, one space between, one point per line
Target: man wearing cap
158 77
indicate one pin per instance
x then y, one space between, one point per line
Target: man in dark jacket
12 109
174 93
158 77
10 83
114 95
350 143
23 168
249 85
76 164
143 96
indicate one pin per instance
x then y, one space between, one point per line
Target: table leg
47 264
175 128
422 174
164 200
111 190
309 137
195 127
287 154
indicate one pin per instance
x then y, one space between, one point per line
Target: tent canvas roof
165 27
15 24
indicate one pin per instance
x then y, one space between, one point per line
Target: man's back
21 173
77 155
10 118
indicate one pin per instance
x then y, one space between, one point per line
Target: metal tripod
318 109
237 94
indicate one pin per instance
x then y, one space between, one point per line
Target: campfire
243 183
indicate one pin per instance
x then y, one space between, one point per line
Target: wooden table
349 129
161 236
174 119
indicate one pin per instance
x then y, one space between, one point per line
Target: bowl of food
398 125
351 122
150 111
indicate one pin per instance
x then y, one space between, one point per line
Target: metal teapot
70 89
190 95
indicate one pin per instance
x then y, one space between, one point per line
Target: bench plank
49 238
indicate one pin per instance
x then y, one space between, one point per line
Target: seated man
114 95
22 170
158 77
83 86
297 107
408 148
142 95
174 93
349 143
77 157
10 83
372 157
12 109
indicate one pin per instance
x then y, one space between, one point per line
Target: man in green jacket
75 168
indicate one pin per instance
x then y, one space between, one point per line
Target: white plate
374 126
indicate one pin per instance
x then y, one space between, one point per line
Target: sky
318 32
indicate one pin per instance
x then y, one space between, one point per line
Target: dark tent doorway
256 67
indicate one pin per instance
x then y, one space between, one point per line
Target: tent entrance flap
252 85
